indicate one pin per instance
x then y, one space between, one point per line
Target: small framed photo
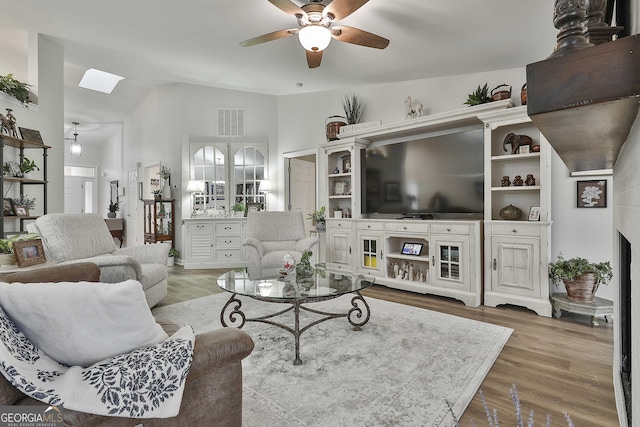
21 210
592 194
411 248
252 207
29 252
534 213
523 149
7 207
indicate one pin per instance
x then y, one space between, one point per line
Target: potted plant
113 208
480 96
581 277
238 207
14 88
25 201
27 165
318 219
173 254
353 108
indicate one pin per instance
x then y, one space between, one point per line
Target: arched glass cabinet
232 173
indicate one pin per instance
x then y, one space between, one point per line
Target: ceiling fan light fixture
314 38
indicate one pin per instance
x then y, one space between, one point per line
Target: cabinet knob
368 226
514 230
495 264
404 228
448 229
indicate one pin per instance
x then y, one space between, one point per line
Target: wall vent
231 122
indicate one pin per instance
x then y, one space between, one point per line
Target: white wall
626 200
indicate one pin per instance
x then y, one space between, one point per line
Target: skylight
100 81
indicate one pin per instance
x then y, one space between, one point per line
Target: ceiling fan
315 30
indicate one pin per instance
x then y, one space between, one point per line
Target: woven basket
583 288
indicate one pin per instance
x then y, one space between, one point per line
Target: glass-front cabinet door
449 261
370 252
231 173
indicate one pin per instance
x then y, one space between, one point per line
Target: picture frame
7 207
252 207
346 164
20 210
31 135
534 213
340 188
591 193
524 149
29 252
411 248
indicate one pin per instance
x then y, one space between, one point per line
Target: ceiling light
100 81
74 146
314 38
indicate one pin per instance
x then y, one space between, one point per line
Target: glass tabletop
288 287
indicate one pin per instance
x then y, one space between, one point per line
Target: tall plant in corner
353 108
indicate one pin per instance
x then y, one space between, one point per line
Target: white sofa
72 238
270 236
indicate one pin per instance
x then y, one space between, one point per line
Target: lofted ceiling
157 42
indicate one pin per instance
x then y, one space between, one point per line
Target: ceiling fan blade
287 7
314 58
359 37
269 37
342 8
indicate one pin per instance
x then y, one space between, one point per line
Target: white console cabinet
214 242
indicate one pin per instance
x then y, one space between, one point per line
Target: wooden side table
599 307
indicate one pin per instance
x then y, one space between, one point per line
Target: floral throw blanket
145 383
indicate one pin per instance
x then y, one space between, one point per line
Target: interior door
302 188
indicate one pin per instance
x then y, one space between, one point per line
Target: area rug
399 370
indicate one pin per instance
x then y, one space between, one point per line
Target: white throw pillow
81 323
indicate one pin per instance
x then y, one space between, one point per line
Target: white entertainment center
449 256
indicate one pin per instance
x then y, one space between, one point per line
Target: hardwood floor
557 364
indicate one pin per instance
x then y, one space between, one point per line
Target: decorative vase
7 259
510 213
111 214
321 225
582 288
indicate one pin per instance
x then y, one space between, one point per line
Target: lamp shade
265 187
195 186
314 38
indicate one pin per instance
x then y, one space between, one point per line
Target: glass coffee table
297 293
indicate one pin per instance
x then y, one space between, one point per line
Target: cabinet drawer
449 229
229 229
346 225
208 227
515 230
228 255
366 225
228 242
407 226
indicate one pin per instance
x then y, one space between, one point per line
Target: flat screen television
429 177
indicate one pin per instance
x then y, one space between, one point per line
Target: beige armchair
213 389
270 235
72 238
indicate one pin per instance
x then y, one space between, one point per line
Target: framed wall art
592 194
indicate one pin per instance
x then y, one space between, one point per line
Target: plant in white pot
238 208
173 254
581 277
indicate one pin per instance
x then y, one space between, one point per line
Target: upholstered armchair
270 235
213 387
72 238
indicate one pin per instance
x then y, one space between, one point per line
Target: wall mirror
114 192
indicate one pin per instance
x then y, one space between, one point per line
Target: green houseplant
14 88
581 277
318 219
479 96
353 108
27 165
173 254
113 208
